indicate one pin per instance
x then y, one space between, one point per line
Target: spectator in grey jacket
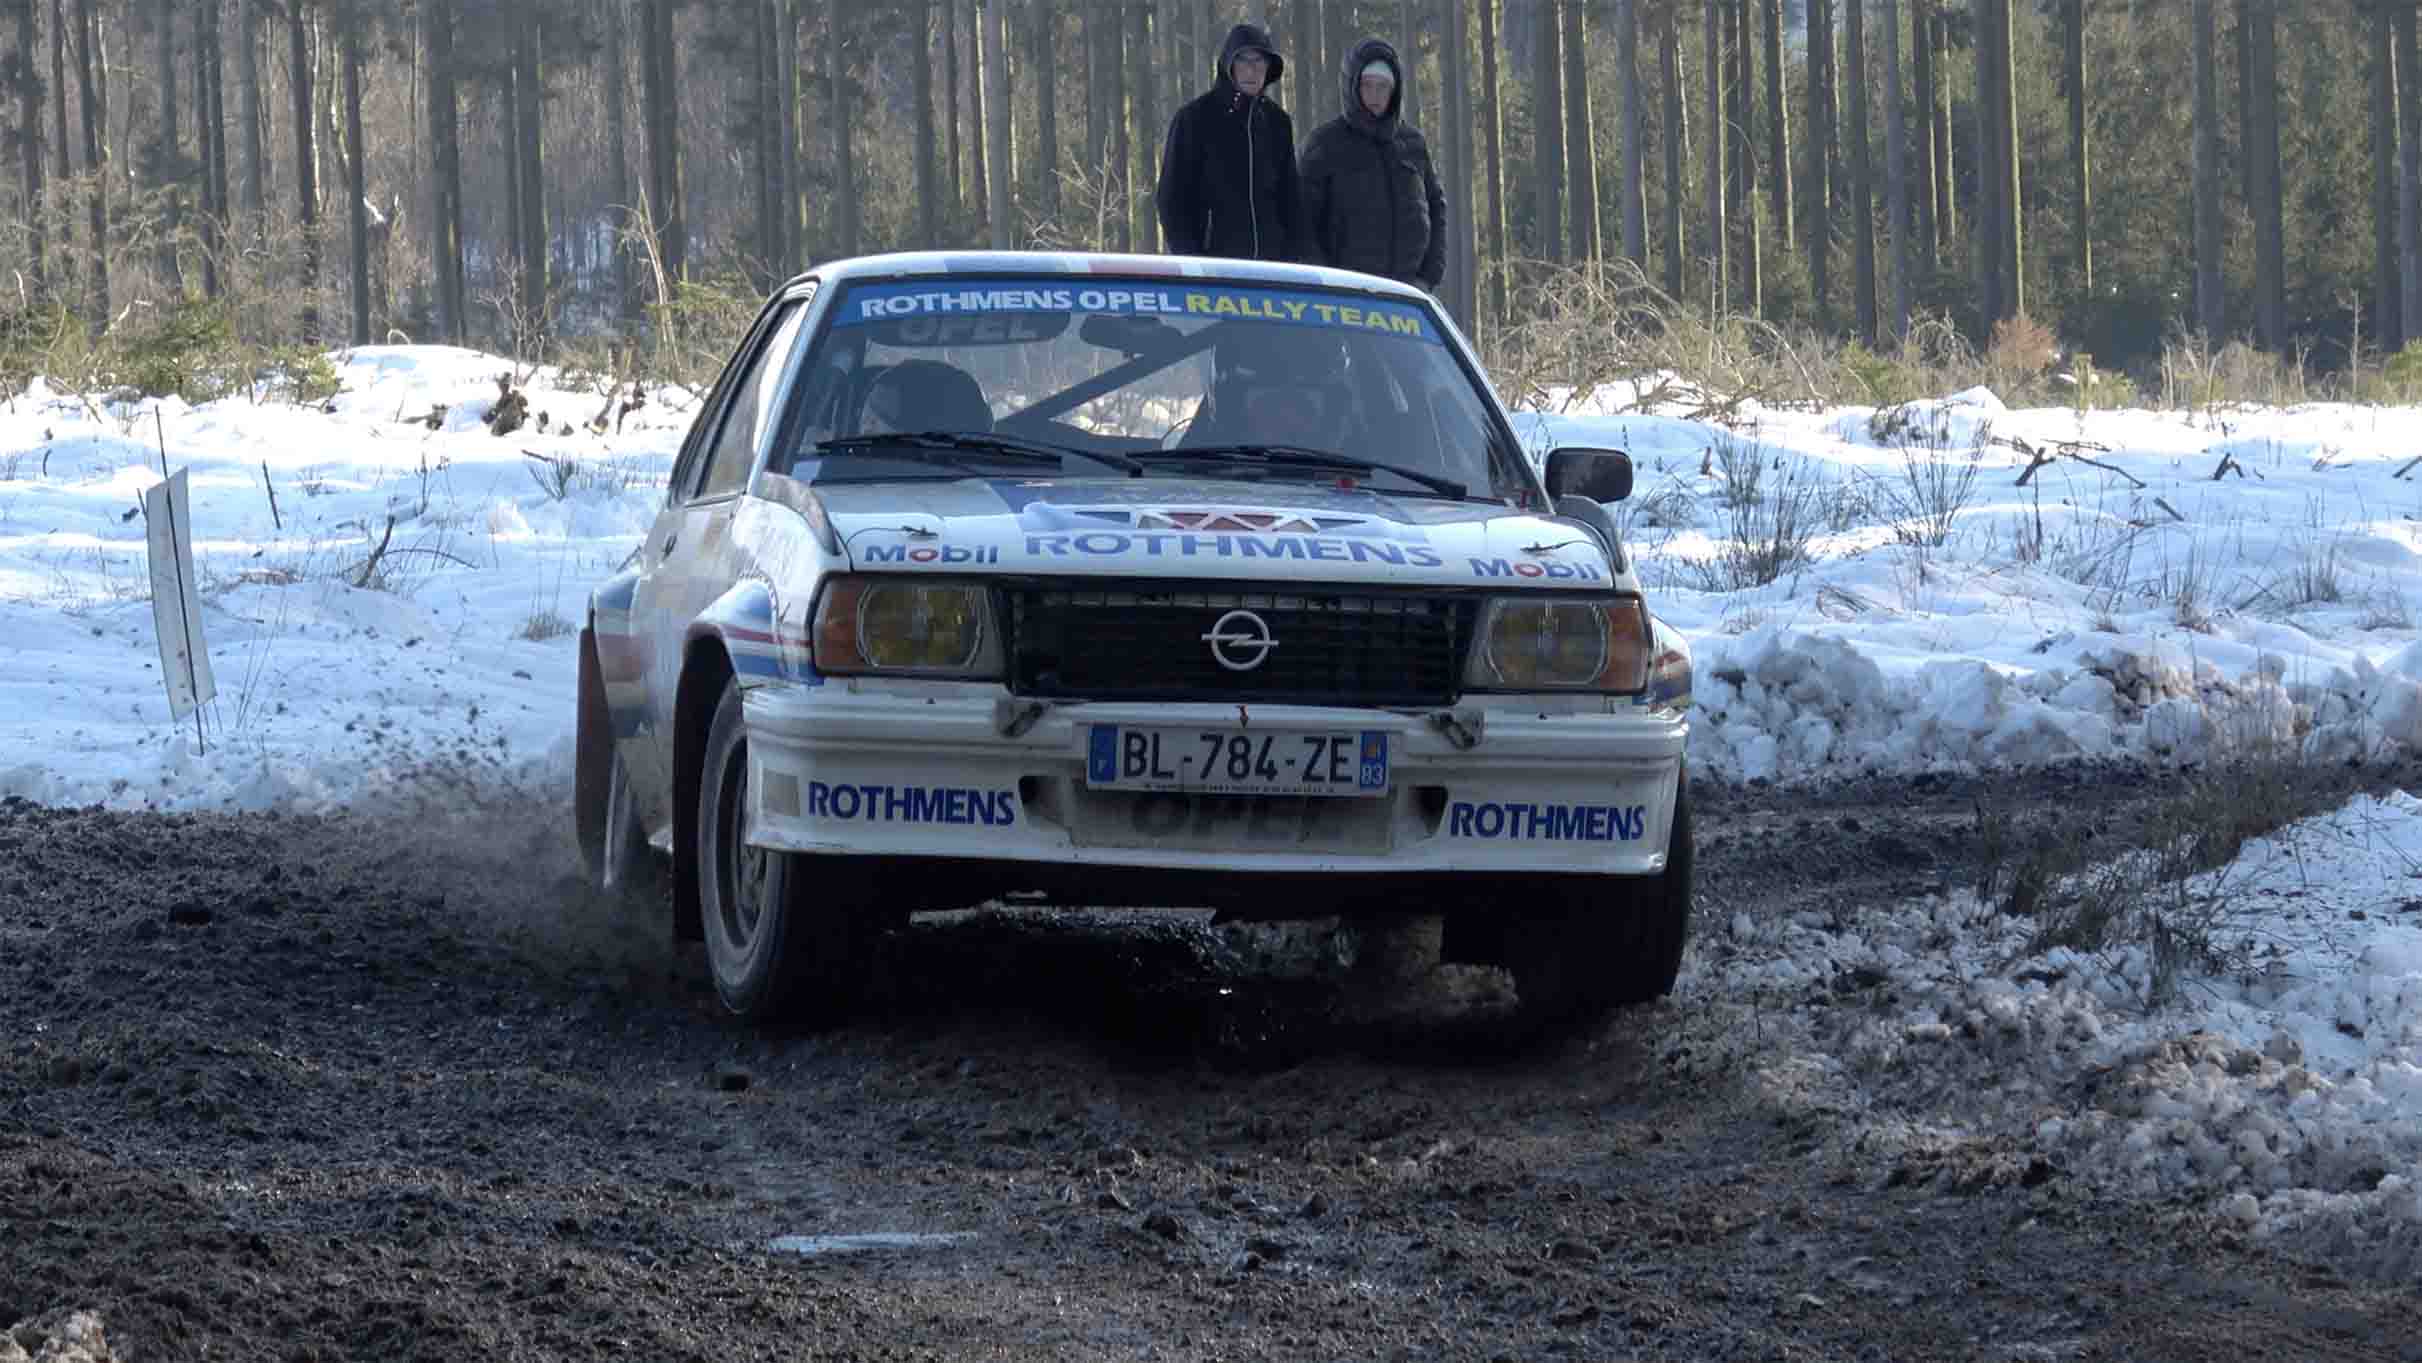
1372 201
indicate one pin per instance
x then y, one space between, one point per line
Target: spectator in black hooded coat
1372 201
1228 185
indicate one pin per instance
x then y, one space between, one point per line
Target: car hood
1204 528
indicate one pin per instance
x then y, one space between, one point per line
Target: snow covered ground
1862 590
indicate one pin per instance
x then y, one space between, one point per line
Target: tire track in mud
390 1086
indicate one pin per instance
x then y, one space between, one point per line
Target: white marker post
176 610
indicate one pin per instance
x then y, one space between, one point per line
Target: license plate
1237 761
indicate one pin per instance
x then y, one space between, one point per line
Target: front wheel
1607 943
781 940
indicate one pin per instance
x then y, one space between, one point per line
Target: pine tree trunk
2243 51
210 73
1492 132
1896 175
1921 81
29 143
1096 150
676 209
1547 128
2209 319
1946 197
1741 160
837 111
950 100
1778 127
1303 40
2270 246
1635 156
306 170
1047 109
614 92
1122 143
1718 254
96 194
1580 146
357 216
248 100
920 72
2010 200
2081 182
766 121
1463 254
1138 146
62 167
533 244
1862 173
1818 204
996 119
445 147
169 148
2388 313
979 116
790 220
1669 75
1740 150
2409 176
1987 104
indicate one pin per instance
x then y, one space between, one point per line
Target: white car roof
900 264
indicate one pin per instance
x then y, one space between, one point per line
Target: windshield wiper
1298 456
1006 447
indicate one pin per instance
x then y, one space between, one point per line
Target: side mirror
1600 475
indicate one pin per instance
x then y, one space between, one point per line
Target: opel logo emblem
1240 641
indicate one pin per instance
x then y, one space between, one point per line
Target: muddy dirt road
386 1087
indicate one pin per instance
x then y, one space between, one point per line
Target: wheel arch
706 668
592 753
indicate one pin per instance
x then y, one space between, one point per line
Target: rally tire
782 942
1606 944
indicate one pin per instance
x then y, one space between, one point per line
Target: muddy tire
783 942
1608 945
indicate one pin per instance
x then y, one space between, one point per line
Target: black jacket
1371 196
1228 185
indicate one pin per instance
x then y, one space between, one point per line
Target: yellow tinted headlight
936 628
1561 645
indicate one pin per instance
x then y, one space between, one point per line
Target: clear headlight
934 629
1561 644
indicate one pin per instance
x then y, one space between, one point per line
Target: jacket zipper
1387 171
1252 210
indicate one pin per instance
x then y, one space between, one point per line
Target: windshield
1152 377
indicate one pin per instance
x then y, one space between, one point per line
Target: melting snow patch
2284 1094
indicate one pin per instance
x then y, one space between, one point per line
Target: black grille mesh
1146 643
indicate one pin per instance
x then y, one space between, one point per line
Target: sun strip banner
956 297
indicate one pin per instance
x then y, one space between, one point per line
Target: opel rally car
1133 581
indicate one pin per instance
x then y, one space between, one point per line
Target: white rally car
1133 581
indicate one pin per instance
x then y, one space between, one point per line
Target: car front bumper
964 772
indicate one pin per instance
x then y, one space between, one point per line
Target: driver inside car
1281 388
924 395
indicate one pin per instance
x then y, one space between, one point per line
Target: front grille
1146 643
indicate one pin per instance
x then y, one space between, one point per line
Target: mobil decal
1539 570
931 555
